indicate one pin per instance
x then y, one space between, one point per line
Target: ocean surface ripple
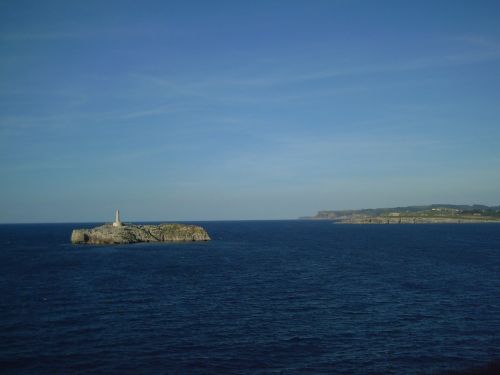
262 297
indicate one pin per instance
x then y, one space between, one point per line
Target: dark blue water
262 297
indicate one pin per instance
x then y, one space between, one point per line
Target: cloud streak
239 85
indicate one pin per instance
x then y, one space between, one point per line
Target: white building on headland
117 222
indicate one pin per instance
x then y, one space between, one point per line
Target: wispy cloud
481 41
101 33
233 85
146 113
39 36
293 156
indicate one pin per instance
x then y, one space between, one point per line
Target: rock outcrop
130 233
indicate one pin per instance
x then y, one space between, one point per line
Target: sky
236 110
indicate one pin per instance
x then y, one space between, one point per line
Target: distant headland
430 214
121 233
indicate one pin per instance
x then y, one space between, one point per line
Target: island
429 214
121 233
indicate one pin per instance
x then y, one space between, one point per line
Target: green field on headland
434 213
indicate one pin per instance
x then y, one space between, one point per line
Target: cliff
431 214
130 233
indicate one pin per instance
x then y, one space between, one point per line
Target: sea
263 297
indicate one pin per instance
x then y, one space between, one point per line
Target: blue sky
209 110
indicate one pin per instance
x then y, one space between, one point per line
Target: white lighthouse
117 222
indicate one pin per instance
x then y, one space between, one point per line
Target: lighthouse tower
117 222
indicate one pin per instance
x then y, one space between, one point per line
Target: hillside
434 213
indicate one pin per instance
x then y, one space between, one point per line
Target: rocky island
120 233
430 214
